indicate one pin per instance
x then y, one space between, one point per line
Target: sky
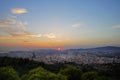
34 24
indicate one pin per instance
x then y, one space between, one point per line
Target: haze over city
61 24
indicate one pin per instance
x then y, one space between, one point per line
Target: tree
41 74
8 73
90 76
72 73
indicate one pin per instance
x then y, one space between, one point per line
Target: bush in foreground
8 73
41 74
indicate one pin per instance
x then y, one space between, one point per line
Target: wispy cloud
3 24
116 26
19 11
21 36
30 35
50 35
77 25
12 26
15 28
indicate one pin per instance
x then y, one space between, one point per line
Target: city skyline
58 24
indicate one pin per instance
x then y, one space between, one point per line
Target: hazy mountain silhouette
107 48
99 51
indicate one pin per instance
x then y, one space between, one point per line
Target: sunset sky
31 24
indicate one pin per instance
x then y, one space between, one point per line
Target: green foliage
8 73
58 71
41 74
72 73
61 77
90 76
23 66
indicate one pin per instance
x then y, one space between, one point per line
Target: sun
59 49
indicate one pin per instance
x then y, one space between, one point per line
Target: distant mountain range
107 48
100 51
100 48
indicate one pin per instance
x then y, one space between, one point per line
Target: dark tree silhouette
72 73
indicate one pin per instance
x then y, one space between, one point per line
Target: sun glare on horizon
59 48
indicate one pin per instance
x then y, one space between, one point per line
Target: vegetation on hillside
25 69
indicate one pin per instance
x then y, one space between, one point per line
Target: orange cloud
19 11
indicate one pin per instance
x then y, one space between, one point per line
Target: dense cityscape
80 56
